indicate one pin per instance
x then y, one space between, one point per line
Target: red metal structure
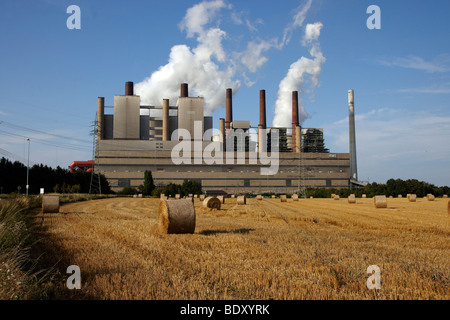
87 166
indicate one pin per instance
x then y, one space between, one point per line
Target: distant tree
149 185
172 189
127 191
157 192
191 187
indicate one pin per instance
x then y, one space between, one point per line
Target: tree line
13 178
393 187
148 188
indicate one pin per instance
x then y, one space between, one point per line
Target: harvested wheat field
307 249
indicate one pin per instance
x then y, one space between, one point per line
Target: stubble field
310 249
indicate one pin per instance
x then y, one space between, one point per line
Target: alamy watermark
74 281
191 150
74 20
374 281
374 21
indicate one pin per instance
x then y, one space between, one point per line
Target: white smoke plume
301 71
299 18
209 69
204 67
253 57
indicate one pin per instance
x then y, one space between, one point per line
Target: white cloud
236 17
199 15
312 32
253 57
440 64
252 26
299 18
396 144
434 89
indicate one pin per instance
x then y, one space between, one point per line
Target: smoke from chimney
207 68
304 69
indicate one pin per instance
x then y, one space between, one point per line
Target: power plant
176 141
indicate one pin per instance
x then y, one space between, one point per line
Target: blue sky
51 76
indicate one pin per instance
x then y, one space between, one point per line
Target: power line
41 107
14 156
53 144
12 125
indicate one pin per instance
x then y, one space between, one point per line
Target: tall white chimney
352 137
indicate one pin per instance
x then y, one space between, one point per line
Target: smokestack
229 111
100 116
165 120
298 139
294 118
222 129
129 88
262 109
184 93
262 142
352 136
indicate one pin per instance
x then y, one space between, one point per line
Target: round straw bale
212 203
364 196
241 200
336 197
222 199
445 196
283 198
380 201
412 198
50 204
311 197
408 195
259 197
134 195
177 196
400 196
176 216
333 195
162 196
195 195
273 196
430 197
232 196
201 197
295 197
351 199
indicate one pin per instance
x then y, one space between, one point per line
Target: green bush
127 191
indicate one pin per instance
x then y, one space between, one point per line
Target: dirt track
310 249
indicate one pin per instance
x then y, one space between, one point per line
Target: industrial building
135 138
